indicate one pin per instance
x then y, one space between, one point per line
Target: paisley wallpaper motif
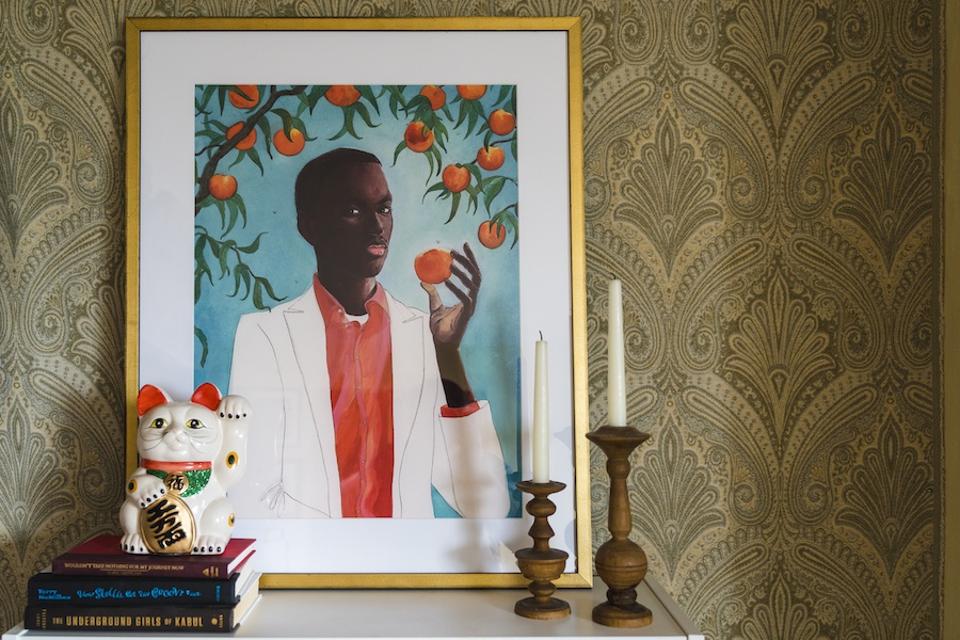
763 176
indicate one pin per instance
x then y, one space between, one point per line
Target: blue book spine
48 589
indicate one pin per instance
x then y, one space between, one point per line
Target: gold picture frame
136 28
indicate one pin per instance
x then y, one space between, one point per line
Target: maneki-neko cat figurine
190 454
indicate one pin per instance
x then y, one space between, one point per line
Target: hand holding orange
433 265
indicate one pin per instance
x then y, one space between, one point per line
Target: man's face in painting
351 220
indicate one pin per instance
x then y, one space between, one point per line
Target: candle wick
541 336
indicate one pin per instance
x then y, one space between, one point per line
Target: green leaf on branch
241 273
454 205
234 215
503 95
258 295
396 100
471 120
491 189
221 94
206 95
367 94
437 186
269 290
198 248
475 172
223 212
260 286
253 246
222 258
420 106
346 128
241 207
440 134
429 154
264 125
237 160
313 97
304 103
302 127
286 118
237 271
202 337
365 115
473 192
397 151
255 157
505 218
214 136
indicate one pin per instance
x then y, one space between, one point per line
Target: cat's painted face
178 431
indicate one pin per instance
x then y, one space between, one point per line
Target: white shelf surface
434 614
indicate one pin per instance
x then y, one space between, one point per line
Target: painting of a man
363 402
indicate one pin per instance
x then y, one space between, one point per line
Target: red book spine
92 565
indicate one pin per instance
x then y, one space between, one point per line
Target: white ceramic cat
190 454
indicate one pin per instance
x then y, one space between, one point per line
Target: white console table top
435 614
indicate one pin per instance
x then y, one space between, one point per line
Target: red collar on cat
159 465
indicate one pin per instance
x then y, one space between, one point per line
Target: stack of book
97 587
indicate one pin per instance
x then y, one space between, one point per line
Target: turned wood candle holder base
620 562
540 564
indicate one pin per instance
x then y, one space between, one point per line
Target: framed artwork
362 226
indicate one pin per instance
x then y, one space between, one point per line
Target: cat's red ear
207 395
150 397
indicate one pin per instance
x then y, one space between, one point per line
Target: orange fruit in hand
490 158
289 146
433 265
247 142
418 137
491 234
222 186
471 91
247 101
436 95
502 122
342 95
455 178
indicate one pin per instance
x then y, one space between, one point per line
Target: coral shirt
359 361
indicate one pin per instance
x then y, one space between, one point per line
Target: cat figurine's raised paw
190 454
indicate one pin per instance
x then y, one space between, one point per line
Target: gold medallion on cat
177 482
167 526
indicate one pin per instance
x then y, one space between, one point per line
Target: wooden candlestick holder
620 562
541 564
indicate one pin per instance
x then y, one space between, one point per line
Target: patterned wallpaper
763 174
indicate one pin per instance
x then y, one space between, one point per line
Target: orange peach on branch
491 234
350 98
244 96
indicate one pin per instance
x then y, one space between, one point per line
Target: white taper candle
616 376
541 418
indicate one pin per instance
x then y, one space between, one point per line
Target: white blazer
280 366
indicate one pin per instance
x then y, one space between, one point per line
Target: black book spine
201 619
52 589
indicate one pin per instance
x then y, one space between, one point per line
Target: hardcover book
196 618
102 555
49 588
